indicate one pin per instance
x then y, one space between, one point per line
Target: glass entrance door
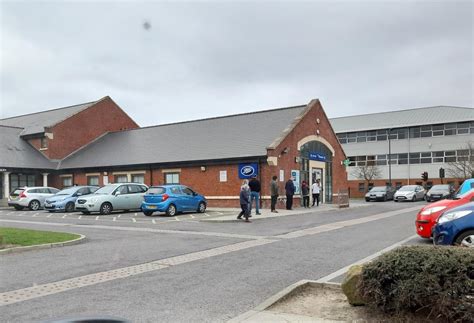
317 173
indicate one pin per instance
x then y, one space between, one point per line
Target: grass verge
12 237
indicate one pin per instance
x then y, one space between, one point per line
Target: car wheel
465 239
395 200
148 213
385 198
51 211
171 211
18 208
106 208
201 207
69 207
367 200
85 212
34 205
413 199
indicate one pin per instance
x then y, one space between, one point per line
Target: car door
43 194
120 198
135 194
191 200
178 197
420 192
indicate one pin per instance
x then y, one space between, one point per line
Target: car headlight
453 216
432 210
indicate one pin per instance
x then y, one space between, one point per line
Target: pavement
187 269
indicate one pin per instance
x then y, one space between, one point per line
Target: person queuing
274 192
254 185
316 190
305 193
244 201
290 191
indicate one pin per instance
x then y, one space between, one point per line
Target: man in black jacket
254 185
290 191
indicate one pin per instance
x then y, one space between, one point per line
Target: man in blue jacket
290 191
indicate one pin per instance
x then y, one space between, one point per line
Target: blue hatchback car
456 227
466 186
65 200
172 199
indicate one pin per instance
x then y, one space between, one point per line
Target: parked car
426 218
122 196
456 227
30 197
409 193
380 193
439 192
65 200
466 186
172 199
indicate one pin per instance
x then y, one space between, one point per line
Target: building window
93 180
44 143
121 178
361 187
20 180
172 178
138 178
66 181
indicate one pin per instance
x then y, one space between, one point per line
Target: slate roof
402 118
36 122
235 136
17 153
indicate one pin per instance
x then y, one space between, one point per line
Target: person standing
316 190
254 185
244 201
290 191
274 194
305 193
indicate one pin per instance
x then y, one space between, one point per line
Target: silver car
409 193
30 197
122 196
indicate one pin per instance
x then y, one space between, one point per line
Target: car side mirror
117 193
78 194
195 194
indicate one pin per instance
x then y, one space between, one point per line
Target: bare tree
463 167
367 173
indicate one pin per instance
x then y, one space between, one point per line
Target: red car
426 218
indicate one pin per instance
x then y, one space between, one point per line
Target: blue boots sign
248 170
317 156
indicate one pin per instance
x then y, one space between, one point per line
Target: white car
409 193
30 197
120 196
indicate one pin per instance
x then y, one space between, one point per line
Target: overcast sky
204 59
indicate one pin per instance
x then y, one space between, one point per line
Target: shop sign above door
248 170
317 156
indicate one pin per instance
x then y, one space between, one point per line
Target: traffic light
441 172
424 176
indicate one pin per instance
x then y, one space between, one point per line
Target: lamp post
389 158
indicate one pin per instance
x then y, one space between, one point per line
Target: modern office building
404 144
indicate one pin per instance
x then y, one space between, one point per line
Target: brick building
97 143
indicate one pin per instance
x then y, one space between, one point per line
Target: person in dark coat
274 192
290 191
244 201
254 185
305 193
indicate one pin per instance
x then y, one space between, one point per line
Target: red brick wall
84 127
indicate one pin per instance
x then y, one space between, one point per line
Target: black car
439 192
380 193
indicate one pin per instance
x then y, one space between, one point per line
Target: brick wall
85 126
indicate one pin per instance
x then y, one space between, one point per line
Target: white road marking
192 216
134 220
153 221
49 215
206 214
35 215
65 215
97 218
135 214
176 218
343 270
119 215
114 219
80 217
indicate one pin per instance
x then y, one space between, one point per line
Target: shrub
438 281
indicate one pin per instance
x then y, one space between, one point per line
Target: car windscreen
440 188
407 188
156 190
17 192
67 191
106 189
378 189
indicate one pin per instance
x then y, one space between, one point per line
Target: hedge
434 281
